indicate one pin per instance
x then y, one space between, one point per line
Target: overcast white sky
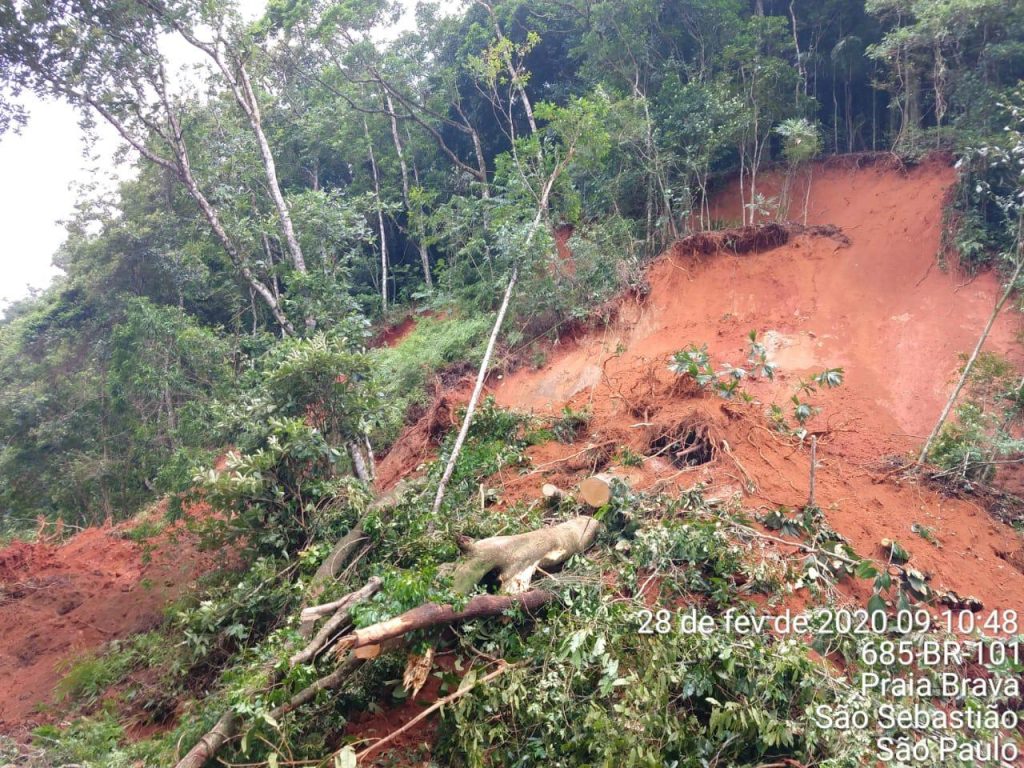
41 168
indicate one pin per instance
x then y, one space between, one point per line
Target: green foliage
803 411
406 371
801 140
568 427
162 345
144 376
695 364
85 680
981 434
92 742
587 688
629 458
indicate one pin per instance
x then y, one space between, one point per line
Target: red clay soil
879 307
58 602
412 747
871 300
393 334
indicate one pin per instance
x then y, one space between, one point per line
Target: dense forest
315 178
318 175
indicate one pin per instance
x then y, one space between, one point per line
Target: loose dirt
879 307
61 601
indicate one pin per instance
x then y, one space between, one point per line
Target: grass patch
405 370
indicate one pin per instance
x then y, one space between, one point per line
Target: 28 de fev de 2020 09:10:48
828 621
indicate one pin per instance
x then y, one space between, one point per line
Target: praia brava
946 732
931 689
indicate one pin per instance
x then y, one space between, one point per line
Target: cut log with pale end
517 558
596 491
433 615
367 652
552 493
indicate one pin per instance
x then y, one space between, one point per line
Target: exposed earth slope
878 307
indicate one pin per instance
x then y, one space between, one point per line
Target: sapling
1009 158
485 363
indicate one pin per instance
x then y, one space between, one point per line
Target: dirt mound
60 601
877 306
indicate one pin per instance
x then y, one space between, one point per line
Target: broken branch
462 691
432 615
341 618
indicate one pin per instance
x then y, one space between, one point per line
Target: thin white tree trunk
400 151
181 167
974 355
380 224
807 192
481 377
270 169
485 364
245 95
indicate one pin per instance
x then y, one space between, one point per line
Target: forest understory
677 460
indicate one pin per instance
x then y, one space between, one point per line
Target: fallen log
596 491
211 742
433 615
552 493
329 570
229 723
341 673
517 558
343 551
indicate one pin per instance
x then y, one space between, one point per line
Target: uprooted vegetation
536 618
547 520
533 618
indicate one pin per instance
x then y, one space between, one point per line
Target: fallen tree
515 558
229 724
434 615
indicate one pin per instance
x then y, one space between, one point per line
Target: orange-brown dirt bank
879 307
58 602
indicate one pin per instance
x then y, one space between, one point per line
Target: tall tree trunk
240 83
400 151
513 73
485 363
380 223
181 167
213 219
800 66
250 105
